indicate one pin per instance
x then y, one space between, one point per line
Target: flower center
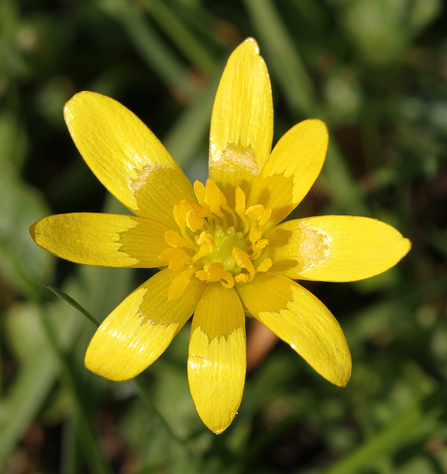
214 241
225 240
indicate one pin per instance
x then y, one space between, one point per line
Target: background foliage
376 72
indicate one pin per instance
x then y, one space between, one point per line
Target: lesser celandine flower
220 246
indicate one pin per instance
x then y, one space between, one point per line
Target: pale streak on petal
335 248
242 121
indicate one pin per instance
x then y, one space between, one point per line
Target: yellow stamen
177 258
242 277
200 192
265 217
260 245
215 272
179 212
243 260
219 252
255 212
254 235
193 221
174 239
180 283
207 244
265 265
240 207
225 207
213 200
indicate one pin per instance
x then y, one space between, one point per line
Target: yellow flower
221 247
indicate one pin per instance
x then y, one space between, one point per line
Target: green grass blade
84 430
68 299
290 71
283 58
183 38
154 50
191 129
27 392
415 423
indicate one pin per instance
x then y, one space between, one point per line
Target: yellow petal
299 318
217 356
126 156
139 330
108 240
335 248
242 121
291 170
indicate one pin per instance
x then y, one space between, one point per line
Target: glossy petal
108 240
299 318
217 356
242 121
335 248
139 330
126 156
291 170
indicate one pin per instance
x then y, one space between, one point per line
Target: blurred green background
376 72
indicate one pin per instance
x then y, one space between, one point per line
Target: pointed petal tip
241 131
343 378
252 43
345 382
218 426
36 233
406 247
68 105
32 231
220 429
339 372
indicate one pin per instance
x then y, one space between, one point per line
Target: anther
243 260
180 283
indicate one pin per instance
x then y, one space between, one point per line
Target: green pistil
225 241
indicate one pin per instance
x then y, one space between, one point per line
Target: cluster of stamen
215 242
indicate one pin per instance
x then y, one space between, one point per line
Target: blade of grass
72 302
153 49
414 423
70 455
283 58
192 127
31 385
300 94
176 29
364 324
